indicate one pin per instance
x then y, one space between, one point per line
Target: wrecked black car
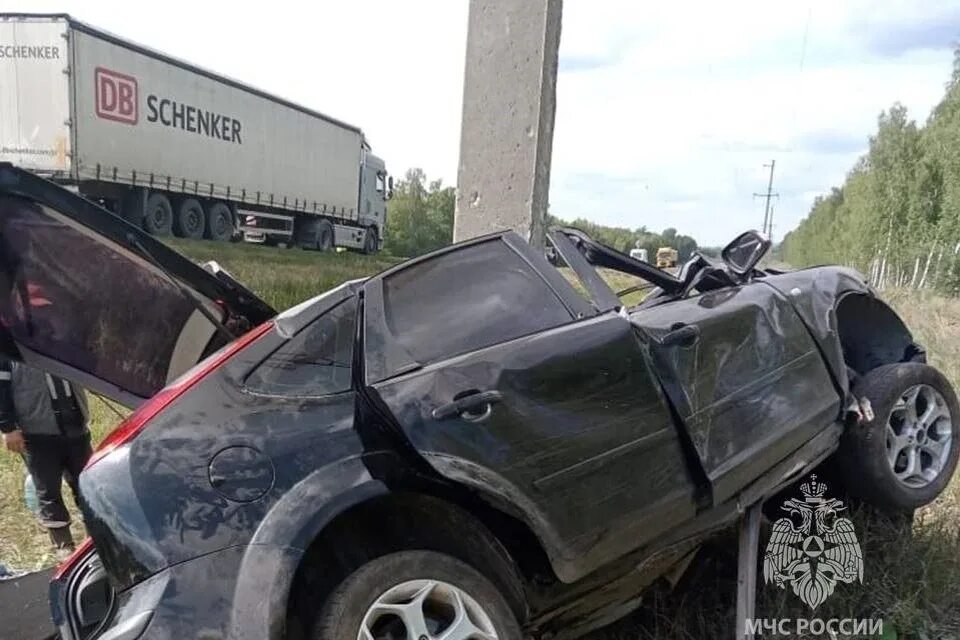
476 443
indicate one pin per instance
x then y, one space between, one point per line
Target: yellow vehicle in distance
666 257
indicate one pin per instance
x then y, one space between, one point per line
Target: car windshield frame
584 255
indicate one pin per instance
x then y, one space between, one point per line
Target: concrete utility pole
767 220
509 101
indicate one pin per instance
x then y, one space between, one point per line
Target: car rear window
69 295
315 362
467 299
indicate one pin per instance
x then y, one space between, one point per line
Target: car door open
87 296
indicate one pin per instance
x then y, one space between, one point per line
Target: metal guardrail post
747 569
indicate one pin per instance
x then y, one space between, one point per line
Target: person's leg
45 462
78 452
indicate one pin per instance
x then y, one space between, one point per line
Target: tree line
623 239
897 215
420 219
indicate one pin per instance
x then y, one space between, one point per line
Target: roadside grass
911 573
284 277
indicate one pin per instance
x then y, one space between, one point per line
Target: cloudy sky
666 111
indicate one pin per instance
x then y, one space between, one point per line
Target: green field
911 578
284 277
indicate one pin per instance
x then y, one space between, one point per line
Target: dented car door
745 375
509 384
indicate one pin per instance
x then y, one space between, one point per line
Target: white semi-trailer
178 149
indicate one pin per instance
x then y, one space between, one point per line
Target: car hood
89 297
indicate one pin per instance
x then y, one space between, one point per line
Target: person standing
44 419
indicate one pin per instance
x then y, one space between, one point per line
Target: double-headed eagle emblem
813 549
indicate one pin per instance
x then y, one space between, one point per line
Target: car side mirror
389 187
745 251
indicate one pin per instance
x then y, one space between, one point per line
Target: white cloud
666 111
706 93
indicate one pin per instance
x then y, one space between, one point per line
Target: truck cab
375 189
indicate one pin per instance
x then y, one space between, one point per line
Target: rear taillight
67 565
136 421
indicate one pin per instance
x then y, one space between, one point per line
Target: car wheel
324 236
158 219
190 221
905 456
219 222
370 241
416 595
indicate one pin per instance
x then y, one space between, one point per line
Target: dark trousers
50 460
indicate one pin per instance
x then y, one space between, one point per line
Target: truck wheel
190 221
905 456
370 244
324 236
219 222
415 595
158 219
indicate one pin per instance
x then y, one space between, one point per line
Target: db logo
116 96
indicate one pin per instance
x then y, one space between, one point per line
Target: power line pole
767 213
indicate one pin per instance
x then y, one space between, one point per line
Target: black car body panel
818 294
580 414
190 511
605 441
750 385
226 456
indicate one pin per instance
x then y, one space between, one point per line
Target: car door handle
467 407
682 336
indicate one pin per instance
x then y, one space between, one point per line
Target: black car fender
851 326
267 570
307 507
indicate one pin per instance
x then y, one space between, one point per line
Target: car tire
191 220
324 236
875 455
219 222
158 218
370 243
394 578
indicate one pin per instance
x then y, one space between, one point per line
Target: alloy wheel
918 436
426 610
